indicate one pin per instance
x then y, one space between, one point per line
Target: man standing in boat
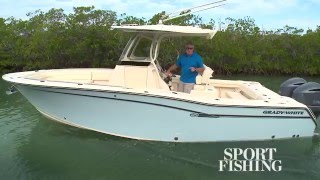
191 64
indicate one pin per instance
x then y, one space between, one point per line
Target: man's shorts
185 87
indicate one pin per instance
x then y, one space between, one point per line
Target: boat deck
241 91
213 91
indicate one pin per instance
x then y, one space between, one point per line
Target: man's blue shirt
186 62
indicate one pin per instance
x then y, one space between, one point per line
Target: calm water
34 147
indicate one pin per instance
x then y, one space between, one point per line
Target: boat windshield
138 49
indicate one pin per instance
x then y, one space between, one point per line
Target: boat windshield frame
128 54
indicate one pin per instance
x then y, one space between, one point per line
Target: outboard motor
288 86
309 94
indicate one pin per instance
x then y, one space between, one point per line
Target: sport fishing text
250 159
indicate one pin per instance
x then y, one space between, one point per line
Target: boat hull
147 117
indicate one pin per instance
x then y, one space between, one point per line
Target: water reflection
17 118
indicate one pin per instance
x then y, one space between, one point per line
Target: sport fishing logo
250 159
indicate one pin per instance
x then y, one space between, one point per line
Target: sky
268 14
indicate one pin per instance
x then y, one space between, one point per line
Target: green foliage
84 38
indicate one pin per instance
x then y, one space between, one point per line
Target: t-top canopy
173 30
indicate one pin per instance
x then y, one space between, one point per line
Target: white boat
133 101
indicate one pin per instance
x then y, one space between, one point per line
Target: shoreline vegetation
84 38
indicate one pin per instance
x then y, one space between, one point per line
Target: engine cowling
308 94
288 86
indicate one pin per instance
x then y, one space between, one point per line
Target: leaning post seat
203 80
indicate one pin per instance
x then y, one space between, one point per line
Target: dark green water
34 147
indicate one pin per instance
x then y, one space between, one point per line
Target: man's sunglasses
189 47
